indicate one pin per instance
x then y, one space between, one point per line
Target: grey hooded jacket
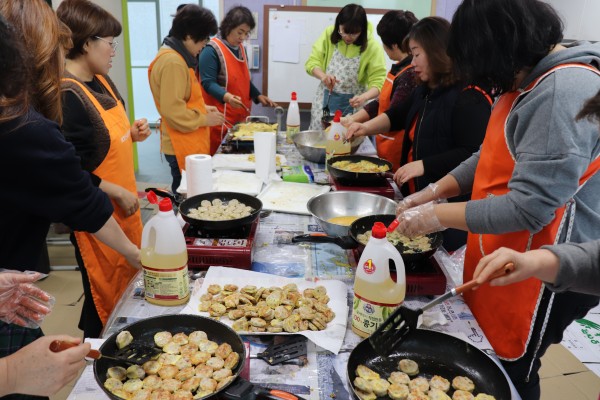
551 150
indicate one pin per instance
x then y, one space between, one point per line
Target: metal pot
311 145
346 203
437 354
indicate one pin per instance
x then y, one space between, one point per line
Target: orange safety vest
507 313
186 143
389 144
237 82
108 271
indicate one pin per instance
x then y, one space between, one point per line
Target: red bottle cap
165 205
379 230
294 96
338 116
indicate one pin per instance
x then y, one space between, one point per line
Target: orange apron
389 145
108 271
507 313
186 143
237 82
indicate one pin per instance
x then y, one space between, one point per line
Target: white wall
117 72
580 18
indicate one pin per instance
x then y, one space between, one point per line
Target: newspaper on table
330 338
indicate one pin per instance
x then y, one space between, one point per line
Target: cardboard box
563 376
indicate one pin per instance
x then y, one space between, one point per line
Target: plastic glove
415 199
21 302
420 220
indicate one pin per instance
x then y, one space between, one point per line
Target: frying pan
359 178
365 224
437 354
143 332
194 202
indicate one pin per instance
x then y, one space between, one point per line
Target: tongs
134 354
404 320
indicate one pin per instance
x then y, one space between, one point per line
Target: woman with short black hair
399 83
225 76
185 116
349 62
535 180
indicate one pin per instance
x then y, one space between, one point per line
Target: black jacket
450 126
42 183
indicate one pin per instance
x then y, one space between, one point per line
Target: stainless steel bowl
311 144
344 204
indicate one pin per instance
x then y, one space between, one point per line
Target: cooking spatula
345 242
132 354
279 353
404 320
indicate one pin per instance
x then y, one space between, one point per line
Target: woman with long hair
399 83
535 180
40 168
444 119
348 62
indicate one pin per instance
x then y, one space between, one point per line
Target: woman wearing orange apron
399 83
534 181
94 120
185 119
225 76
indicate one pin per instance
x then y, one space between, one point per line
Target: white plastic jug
292 123
336 144
164 258
376 295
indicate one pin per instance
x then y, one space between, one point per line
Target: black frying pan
365 224
143 332
437 354
358 178
195 201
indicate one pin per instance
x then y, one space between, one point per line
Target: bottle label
166 284
369 267
291 130
368 315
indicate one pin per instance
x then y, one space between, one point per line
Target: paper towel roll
264 151
198 168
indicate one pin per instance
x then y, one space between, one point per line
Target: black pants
566 308
89 322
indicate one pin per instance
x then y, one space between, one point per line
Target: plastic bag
21 302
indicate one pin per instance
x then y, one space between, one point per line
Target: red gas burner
380 186
229 249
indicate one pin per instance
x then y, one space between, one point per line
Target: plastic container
376 295
336 144
297 173
164 258
292 122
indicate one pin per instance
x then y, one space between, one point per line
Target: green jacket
372 69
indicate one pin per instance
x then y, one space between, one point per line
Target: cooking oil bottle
164 258
376 295
336 144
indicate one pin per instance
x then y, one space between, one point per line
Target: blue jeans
338 101
175 172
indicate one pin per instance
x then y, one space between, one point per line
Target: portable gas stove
232 248
423 278
379 185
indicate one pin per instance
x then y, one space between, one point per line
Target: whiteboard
284 76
